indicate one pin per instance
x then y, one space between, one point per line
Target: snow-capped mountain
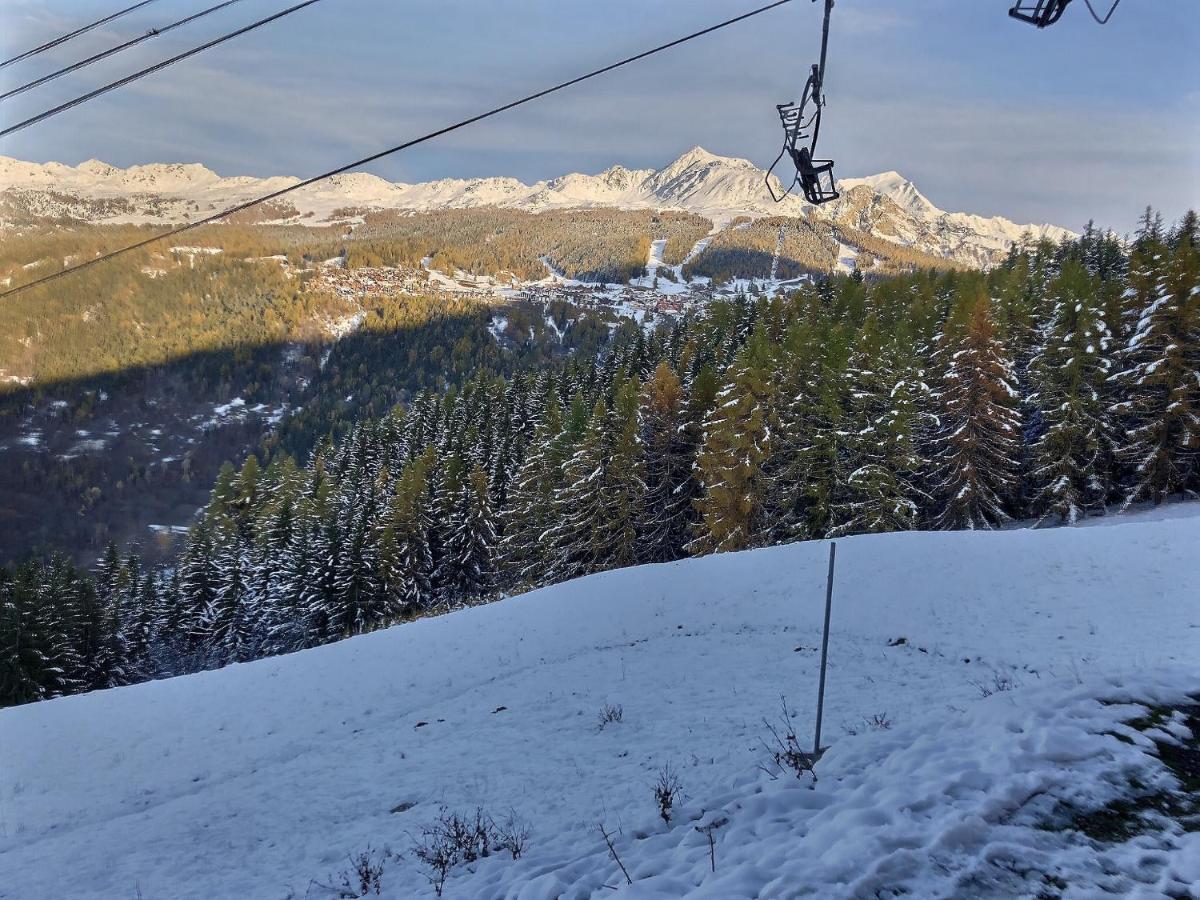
716 187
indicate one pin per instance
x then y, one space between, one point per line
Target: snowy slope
252 781
717 187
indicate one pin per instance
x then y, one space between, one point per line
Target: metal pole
824 652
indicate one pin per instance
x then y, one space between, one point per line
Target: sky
985 115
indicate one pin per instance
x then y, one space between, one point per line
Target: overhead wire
112 51
50 45
1104 20
150 70
340 170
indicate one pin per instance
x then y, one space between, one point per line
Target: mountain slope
719 188
253 780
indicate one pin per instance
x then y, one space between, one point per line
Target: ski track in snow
252 780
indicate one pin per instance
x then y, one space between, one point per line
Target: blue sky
985 115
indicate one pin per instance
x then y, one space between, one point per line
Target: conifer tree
737 442
357 600
977 451
406 563
670 451
596 509
198 580
469 566
805 472
1071 457
879 438
29 669
228 622
524 557
1158 383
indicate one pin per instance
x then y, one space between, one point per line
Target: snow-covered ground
258 780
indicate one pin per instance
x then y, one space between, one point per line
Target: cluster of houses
641 299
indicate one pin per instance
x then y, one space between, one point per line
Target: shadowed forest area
92 460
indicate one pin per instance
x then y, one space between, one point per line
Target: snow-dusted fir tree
878 436
405 560
670 448
230 617
804 472
356 606
1070 458
978 448
138 622
524 558
597 508
571 540
198 580
24 652
468 571
1159 381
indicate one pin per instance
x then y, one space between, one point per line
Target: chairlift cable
341 170
50 45
83 63
150 70
1102 21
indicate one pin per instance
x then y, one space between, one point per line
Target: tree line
1056 386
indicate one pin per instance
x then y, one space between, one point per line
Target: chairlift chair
801 129
1039 13
814 176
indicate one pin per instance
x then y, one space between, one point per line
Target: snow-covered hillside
259 780
717 187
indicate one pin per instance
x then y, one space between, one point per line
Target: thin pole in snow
824 652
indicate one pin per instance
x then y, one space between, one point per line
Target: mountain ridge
716 187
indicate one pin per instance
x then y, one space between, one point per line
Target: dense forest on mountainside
103 457
748 250
598 245
167 301
1052 387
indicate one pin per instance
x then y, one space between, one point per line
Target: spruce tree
665 527
469 565
198 579
406 563
1071 456
597 507
358 604
524 556
978 447
879 439
1158 381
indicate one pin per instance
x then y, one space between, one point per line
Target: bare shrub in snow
512 834
999 684
784 748
362 878
455 838
667 790
610 714
879 722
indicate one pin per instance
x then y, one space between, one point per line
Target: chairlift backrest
1039 13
